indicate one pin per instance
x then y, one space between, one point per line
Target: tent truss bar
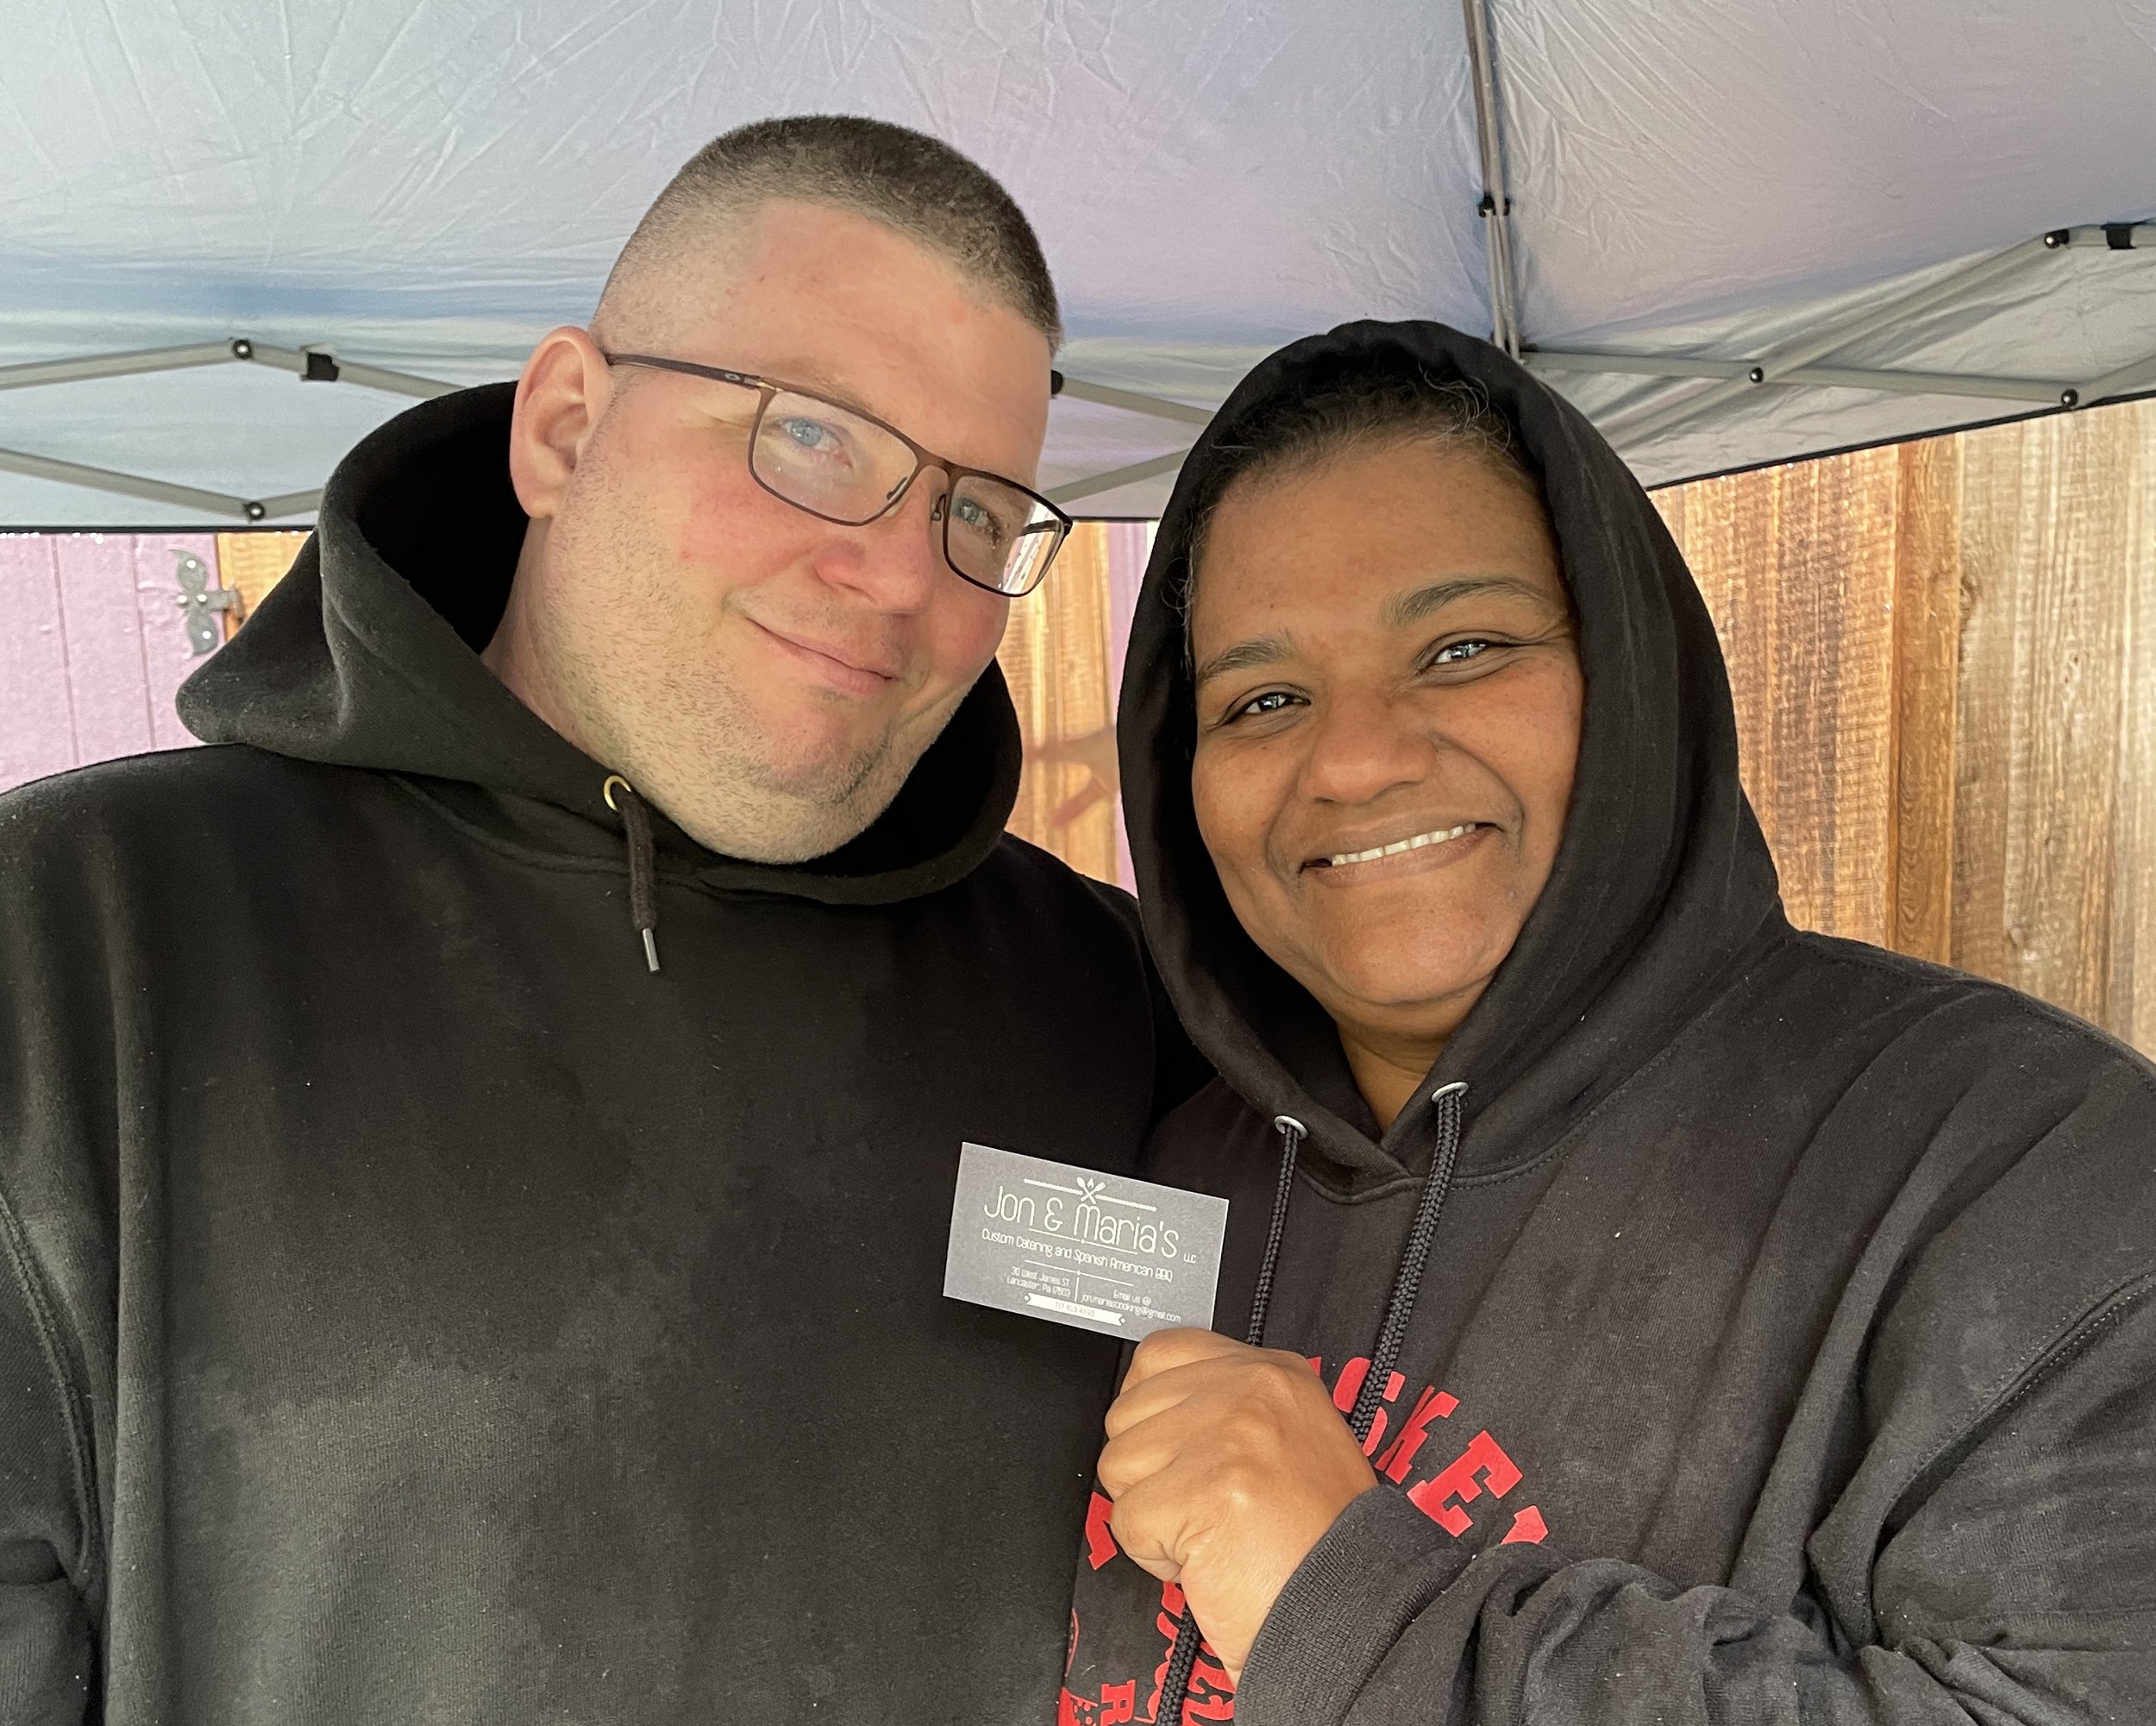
1822 377
317 366
135 365
129 485
1098 483
312 364
2135 375
1653 418
1107 395
1130 401
1496 204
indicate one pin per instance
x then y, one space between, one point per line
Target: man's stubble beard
687 738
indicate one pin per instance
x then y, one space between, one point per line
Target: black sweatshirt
412 1309
1787 1350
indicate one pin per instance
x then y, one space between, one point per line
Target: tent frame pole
1496 204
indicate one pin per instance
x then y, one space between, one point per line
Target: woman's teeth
1394 849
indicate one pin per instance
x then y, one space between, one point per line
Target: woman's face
1389 697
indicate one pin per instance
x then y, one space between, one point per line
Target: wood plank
1130 545
1927 647
252 563
2043 556
2132 1012
1055 656
1796 565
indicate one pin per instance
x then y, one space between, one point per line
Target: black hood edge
367 656
1612 956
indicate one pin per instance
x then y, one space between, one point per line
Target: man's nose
895 562
1362 747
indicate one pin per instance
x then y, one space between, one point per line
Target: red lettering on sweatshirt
1483 1467
1527 1529
1456 1481
1100 1545
1350 1386
1432 1405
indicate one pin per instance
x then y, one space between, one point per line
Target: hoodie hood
366 655
1662 881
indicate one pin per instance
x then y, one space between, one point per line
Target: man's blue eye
808 433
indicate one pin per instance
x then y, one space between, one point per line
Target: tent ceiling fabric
429 187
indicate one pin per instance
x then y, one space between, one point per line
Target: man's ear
560 397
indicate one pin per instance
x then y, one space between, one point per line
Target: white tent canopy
1733 232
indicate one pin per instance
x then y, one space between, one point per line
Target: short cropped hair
904 179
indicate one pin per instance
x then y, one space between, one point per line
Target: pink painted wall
92 648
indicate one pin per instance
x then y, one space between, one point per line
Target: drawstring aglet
644 897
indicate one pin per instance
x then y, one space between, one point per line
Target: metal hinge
202 602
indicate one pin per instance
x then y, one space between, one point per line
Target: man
1715 1324
476 1151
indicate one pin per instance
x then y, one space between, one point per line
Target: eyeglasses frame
768 389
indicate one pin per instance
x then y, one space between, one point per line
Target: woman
1730 1322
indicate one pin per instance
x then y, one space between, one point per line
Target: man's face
767 678
1388 701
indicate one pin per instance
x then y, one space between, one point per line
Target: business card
1103 1252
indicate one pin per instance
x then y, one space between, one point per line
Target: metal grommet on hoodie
644 897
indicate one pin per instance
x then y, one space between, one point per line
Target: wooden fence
1944 659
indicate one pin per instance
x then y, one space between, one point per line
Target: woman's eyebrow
1419 603
1259 650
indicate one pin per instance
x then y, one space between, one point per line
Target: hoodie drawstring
643 897
1292 1133
1413 1256
1392 1330
1176 1684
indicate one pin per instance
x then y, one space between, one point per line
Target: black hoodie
414 1309
1786 1351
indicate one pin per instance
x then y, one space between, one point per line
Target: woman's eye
1459 652
1272 702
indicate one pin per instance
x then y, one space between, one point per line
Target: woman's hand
1227 1464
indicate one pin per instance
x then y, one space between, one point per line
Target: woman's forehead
1388 537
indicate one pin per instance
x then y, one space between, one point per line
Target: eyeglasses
847 466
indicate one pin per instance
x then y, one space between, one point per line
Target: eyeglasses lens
998 536
837 464
845 469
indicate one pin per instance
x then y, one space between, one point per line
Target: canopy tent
236 235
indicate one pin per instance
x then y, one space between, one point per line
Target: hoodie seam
22 1262
2065 1340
